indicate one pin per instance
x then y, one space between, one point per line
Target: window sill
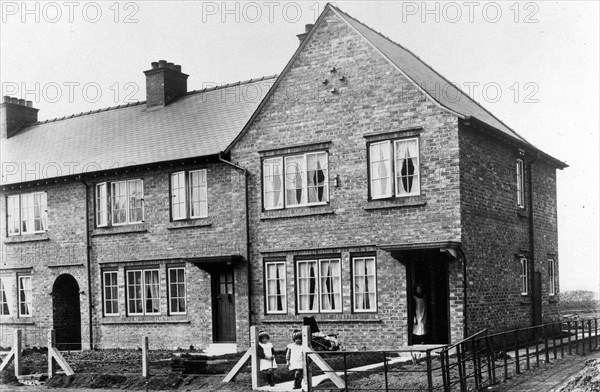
296 212
120 320
323 319
17 239
525 300
189 223
8 320
115 230
522 212
398 202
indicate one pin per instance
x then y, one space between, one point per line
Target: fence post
145 369
569 337
461 369
537 347
596 330
255 370
546 344
18 344
505 356
51 344
554 339
582 337
562 344
517 361
385 371
306 347
429 375
590 334
527 349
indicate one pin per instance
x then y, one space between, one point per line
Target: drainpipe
531 238
465 300
248 243
88 249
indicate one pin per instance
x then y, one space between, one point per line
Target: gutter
531 239
88 248
248 243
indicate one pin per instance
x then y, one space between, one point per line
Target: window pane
13 219
380 169
6 295
275 287
317 177
25 299
151 291
330 285
134 292
198 194
111 293
136 195
178 196
119 202
295 180
407 167
177 295
101 205
307 286
27 214
364 284
39 211
273 183
520 184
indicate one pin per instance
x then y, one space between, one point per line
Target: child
295 357
266 354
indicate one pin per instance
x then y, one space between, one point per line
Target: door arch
66 313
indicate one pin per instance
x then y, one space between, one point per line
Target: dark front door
66 313
223 306
537 298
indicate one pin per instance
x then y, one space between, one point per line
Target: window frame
268 279
552 276
305 187
373 308
143 297
169 294
17 216
105 300
107 203
318 286
392 158
28 301
6 292
524 275
188 194
520 183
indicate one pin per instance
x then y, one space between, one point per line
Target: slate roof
201 123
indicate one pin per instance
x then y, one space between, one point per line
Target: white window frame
143 297
25 296
183 192
318 286
390 162
286 163
273 171
22 209
552 276
520 184
6 295
524 275
102 198
108 288
177 284
269 279
373 306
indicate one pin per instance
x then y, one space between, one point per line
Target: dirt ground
588 380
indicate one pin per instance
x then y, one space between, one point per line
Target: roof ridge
122 106
435 71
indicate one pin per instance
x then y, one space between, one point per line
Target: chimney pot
22 102
170 65
154 64
162 64
178 68
29 104
14 101
6 99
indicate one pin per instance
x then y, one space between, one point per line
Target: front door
223 305
66 313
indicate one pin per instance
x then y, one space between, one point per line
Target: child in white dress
295 357
266 356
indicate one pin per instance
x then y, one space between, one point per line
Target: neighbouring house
331 190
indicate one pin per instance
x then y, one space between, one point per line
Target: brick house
331 190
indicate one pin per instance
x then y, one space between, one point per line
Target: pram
321 341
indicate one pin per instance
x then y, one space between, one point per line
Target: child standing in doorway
295 357
266 354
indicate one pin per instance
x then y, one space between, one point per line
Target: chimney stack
307 28
164 83
16 114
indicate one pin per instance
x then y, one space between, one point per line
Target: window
399 176
520 184
177 297
24 296
319 286
143 292
111 293
364 283
524 276
552 276
295 181
124 204
275 287
27 213
6 295
189 195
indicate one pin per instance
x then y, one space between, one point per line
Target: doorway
429 269
223 299
66 313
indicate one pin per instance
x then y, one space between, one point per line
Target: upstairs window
520 184
119 203
394 168
552 276
27 213
189 195
524 276
296 180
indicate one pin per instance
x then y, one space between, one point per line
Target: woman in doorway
420 322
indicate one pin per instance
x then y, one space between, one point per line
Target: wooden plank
145 367
306 348
8 359
254 355
61 361
55 355
18 345
328 371
238 366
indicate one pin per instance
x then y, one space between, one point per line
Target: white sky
543 57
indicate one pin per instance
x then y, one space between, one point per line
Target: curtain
277 187
25 299
312 286
359 285
152 291
279 283
407 171
367 304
